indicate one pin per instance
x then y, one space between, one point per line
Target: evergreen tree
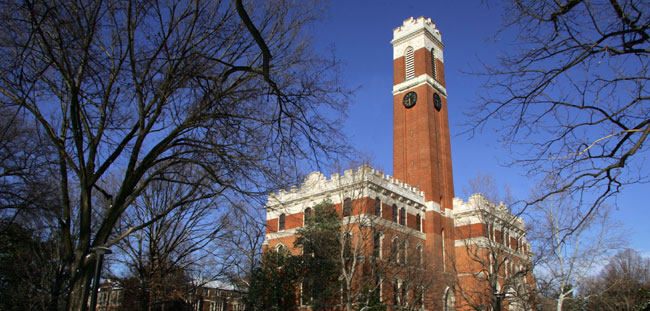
274 285
320 240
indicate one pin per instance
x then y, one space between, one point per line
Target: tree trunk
55 291
79 290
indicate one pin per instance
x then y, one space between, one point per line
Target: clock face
410 99
437 102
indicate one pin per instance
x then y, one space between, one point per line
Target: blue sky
361 31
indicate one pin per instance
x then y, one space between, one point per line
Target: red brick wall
399 71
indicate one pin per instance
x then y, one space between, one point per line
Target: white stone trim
417 81
469 212
481 241
364 183
419 40
364 220
433 206
396 226
484 243
418 33
280 234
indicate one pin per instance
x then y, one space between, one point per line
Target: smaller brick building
210 296
217 296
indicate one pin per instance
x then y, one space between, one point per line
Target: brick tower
421 147
421 142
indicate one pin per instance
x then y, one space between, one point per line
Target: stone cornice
417 81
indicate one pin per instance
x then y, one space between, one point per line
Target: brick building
210 296
217 296
414 244
109 296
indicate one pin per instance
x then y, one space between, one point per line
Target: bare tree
243 241
493 263
179 249
138 89
571 95
565 258
27 162
29 200
623 284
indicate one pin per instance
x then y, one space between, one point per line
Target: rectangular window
377 246
377 207
347 207
103 299
396 293
378 283
394 213
395 248
281 221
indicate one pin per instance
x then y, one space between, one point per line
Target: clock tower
421 143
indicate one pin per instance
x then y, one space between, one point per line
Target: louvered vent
410 66
433 64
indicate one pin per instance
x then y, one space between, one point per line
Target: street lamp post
99 251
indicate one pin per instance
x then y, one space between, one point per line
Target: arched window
420 254
378 243
394 213
402 216
347 207
377 207
280 247
434 73
418 222
281 221
410 66
405 247
307 215
449 300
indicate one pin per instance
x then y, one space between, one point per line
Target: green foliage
274 284
320 241
320 235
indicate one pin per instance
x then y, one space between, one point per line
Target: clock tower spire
421 142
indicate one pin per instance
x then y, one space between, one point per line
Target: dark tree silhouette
129 91
571 96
